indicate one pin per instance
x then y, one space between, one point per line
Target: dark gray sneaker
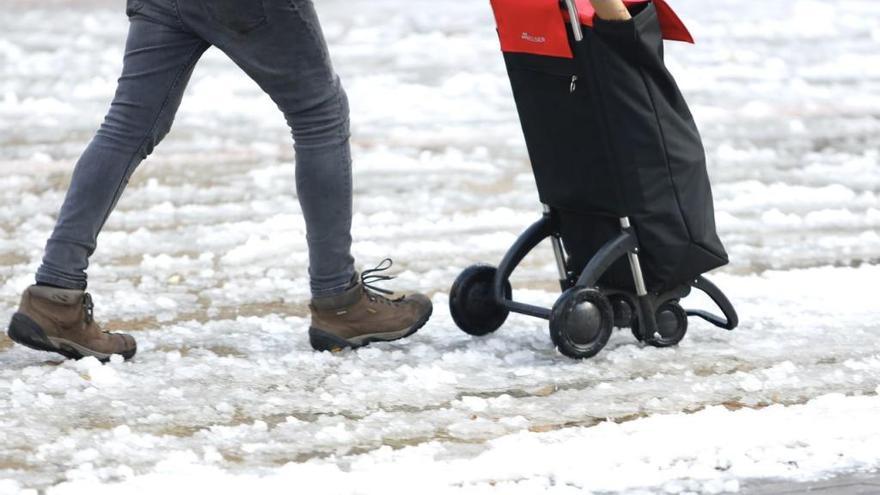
364 314
62 321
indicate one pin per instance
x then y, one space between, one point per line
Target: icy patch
706 452
205 262
238 396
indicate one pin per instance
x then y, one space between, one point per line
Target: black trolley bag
621 172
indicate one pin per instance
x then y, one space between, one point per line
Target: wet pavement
204 261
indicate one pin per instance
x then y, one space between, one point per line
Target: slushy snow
205 262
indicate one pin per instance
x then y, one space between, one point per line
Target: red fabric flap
538 26
531 26
672 25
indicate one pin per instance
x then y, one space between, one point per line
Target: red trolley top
539 26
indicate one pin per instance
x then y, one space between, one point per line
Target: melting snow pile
204 261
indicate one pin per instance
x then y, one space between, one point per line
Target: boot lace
371 276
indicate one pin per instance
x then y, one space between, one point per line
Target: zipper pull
573 84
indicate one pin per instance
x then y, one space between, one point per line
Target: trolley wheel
581 322
472 302
672 321
623 311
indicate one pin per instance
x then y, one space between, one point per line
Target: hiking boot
363 314
61 320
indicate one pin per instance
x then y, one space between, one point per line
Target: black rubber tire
673 322
472 304
581 323
624 314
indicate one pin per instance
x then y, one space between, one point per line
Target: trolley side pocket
675 223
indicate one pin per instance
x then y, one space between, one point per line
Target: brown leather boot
61 320
362 314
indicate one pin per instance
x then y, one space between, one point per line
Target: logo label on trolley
532 38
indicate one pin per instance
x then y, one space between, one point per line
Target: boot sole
25 331
322 340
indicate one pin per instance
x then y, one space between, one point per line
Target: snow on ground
205 262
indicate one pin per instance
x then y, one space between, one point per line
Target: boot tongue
67 297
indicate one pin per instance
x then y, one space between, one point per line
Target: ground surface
848 484
205 263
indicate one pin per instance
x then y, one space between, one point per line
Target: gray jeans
279 44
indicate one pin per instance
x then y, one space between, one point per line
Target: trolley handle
575 19
730 319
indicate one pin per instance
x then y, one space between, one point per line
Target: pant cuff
60 282
332 290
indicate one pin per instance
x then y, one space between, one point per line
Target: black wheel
472 303
581 322
672 321
623 311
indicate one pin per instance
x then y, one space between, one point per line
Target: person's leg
279 43
159 59
58 316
